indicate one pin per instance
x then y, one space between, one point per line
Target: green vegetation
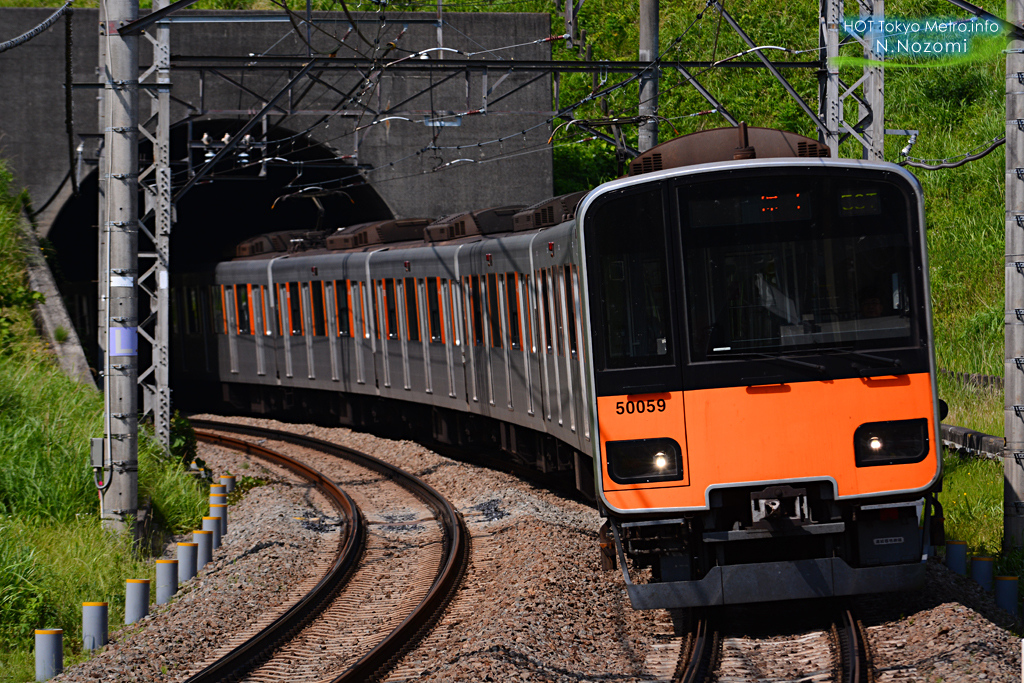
54 553
972 502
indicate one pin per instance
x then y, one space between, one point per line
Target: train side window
343 308
267 330
626 237
524 290
512 300
453 298
494 310
295 310
175 301
570 308
220 316
316 294
545 308
282 307
375 295
474 300
391 305
412 311
191 310
441 289
243 314
434 305
556 303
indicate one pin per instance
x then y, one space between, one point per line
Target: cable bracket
1020 77
121 129
1020 173
120 416
1019 312
1019 458
1019 361
1020 124
1020 219
129 176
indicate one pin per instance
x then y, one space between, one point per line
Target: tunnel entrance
287 183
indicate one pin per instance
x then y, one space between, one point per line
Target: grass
54 551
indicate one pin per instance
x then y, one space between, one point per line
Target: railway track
356 622
820 647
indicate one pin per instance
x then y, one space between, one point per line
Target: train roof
704 147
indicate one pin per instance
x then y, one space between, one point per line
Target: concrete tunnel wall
34 143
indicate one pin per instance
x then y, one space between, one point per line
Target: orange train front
761 356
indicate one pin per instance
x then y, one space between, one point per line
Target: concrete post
95 619
213 524
221 510
228 481
49 653
187 568
218 499
121 93
956 557
1013 416
136 600
217 489
648 133
204 548
1006 594
166 580
981 571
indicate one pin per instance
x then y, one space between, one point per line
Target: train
729 350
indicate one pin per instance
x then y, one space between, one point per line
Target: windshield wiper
785 359
884 360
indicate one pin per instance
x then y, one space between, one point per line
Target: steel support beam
155 279
872 111
1013 457
830 105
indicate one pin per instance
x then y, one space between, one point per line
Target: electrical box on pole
1013 456
119 225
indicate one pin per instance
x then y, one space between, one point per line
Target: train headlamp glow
898 442
640 461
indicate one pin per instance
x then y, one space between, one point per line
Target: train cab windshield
730 278
796 264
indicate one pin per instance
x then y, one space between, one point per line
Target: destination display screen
764 207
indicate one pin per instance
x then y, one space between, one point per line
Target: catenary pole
648 133
1013 456
121 227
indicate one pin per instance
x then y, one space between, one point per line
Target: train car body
733 358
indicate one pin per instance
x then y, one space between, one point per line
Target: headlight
641 461
898 442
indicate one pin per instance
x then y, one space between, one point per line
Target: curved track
326 606
837 653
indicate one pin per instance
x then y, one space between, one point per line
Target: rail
245 655
451 570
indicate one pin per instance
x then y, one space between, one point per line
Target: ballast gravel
267 552
534 605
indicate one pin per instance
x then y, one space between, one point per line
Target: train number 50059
648 406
